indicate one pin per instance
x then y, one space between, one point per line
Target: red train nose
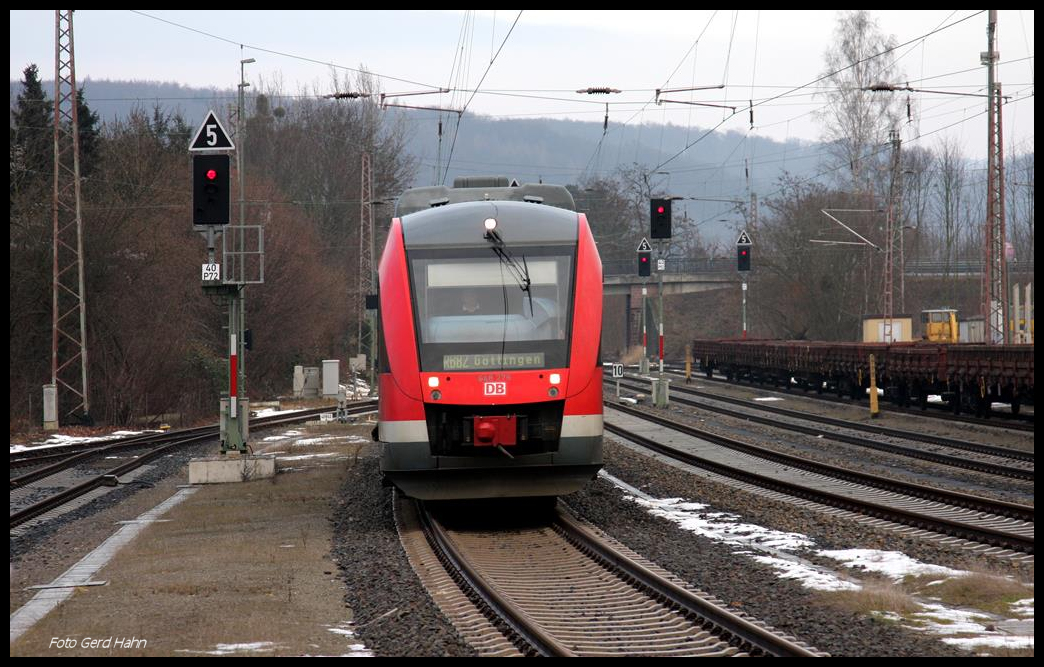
495 431
485 432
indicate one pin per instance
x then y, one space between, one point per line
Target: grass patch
307 403
337 428
988 592
876 596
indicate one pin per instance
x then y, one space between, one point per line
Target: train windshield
474 312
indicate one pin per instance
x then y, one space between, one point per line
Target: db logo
494 388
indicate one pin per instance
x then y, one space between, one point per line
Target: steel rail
111 477
998 469
523 627
747 635
945 526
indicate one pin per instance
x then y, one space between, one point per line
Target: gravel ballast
735 578
394 616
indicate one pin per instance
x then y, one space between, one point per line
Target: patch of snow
890 563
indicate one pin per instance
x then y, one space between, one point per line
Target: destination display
482 362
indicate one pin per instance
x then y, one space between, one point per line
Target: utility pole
240 320
994 275
67 395
367 281
894 228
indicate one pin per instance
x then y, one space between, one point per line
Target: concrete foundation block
226 469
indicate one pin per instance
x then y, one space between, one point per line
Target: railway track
25 490
989 459
1006 528
559 588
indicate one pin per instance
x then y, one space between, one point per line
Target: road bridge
682 276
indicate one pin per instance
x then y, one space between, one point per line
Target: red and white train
490 302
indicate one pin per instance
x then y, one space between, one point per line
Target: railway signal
644 258
743 248
660 218
644 263
211 190
743 258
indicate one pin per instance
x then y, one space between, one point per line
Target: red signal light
211 174
659 209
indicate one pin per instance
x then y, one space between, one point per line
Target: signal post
644 271
743 253
660 229
225 282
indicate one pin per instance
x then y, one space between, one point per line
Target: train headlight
555 378
552 392
433 382
490 224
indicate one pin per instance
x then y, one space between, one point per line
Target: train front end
490 377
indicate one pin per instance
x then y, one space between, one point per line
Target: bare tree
949 194
806 290
856 121
1020 206
610 213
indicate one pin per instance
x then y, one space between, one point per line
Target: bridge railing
935 267
623 267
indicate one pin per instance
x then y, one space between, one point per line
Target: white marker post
233 373
617 374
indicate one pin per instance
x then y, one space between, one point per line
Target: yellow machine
940 326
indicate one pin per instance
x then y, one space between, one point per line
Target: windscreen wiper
521 273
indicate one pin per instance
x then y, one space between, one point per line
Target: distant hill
115 99
554 151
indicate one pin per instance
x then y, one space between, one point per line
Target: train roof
518 223
472 189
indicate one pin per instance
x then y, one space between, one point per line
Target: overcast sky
550 54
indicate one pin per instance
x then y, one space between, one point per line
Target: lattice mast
995 268
69 302
893 232
366 282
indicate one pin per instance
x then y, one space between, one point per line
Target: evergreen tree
32 135
90 135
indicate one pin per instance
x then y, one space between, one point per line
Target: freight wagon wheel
903 395
856 390
984 406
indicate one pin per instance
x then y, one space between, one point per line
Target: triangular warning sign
644 246
743 239
211 136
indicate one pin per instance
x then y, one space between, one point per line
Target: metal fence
623 267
